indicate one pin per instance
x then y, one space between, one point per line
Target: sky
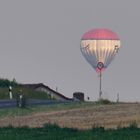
40 43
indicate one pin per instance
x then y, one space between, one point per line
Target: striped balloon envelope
99 47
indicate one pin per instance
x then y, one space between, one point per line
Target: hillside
84 117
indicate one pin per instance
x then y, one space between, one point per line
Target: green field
8 112
53 132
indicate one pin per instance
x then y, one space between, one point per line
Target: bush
133 125
98 129
50 126
104 101
70 129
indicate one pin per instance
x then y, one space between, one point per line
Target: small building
52 93
79 96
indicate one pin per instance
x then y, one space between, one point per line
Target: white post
10 92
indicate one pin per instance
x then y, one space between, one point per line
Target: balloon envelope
99 47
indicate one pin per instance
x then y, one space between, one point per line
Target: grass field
71 121
73 115
53 132
14 112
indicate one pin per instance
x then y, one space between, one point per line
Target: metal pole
117 97
100 90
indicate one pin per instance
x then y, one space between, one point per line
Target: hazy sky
40 42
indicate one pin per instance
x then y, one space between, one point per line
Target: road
30 102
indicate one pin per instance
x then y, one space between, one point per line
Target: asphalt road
29 102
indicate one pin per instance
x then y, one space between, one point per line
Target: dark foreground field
53 132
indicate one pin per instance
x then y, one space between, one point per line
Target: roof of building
37 85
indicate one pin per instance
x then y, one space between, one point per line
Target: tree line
7 82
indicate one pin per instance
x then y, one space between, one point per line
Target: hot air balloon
99 47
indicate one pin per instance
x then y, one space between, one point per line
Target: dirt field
109 116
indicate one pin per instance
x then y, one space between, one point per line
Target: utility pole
100 67
118 97
100 87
